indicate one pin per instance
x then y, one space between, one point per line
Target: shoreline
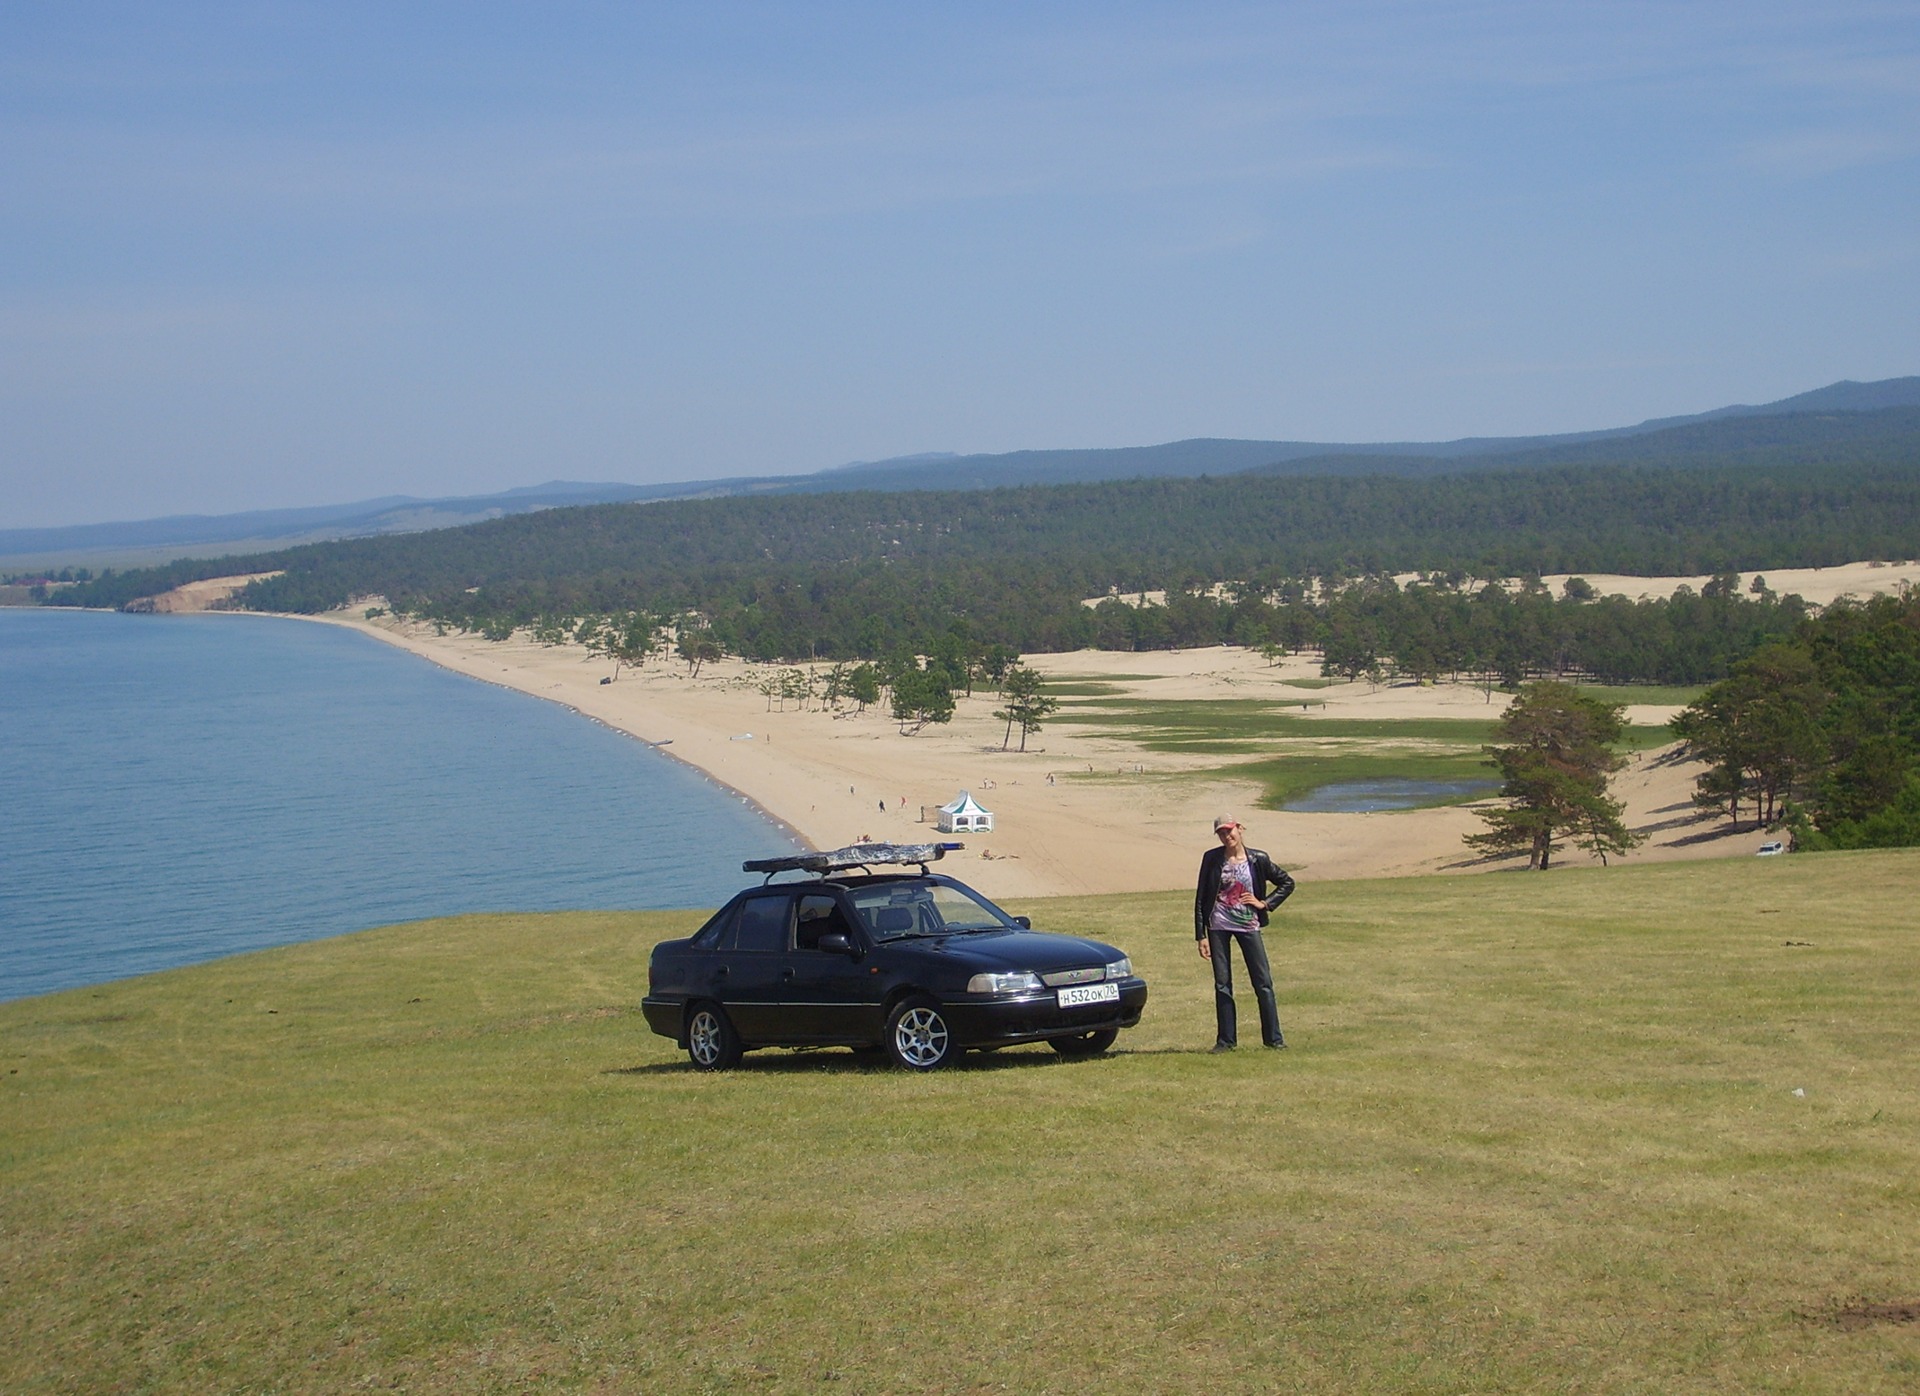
1082 811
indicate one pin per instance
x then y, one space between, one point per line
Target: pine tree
921 696
1026 704
1555 771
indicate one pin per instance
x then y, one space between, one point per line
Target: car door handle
720 972
786 976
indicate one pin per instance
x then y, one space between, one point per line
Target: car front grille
1073 976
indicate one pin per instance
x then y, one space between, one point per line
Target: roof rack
859 855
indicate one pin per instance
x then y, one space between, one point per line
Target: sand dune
209 595
1821 586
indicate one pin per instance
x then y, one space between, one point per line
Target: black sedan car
914 964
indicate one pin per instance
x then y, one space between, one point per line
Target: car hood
1040 951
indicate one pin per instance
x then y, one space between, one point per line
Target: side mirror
836 943
1025 923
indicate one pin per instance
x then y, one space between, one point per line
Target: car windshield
899 910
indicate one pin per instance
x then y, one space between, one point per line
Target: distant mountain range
1215 456
1885 413
145 542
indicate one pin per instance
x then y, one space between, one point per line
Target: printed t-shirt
1233 909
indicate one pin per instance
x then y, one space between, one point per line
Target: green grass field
1643 1129
1664 695
1230 724
1298 755
1302 754
1103 686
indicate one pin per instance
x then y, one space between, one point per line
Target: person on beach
1239 888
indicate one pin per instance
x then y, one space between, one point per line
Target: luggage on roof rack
859 855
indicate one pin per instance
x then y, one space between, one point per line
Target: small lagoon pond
1371 796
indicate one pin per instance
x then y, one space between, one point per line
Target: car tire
712 1044
918 1037
1086 1044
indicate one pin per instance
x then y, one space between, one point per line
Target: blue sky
266 254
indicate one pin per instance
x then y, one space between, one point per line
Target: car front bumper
1000 1022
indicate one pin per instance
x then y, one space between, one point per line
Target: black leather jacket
1266 874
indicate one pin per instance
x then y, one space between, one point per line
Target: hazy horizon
279 256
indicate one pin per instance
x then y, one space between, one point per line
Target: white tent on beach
963 815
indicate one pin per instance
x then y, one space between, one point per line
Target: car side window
762 923
819 915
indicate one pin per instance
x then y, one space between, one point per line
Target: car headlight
1015 983
1121 968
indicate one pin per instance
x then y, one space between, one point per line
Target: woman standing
1239 888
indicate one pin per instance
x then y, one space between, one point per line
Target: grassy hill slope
1535 1134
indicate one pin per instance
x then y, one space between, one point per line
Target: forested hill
865 573
286 528
1806 439
1840 418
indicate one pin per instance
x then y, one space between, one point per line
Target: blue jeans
1254 951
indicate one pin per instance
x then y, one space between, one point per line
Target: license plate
1089 993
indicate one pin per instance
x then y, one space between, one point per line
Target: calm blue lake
176 788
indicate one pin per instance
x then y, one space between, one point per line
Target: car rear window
717 934
762 924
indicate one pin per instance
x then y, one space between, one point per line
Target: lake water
1372 796
176 788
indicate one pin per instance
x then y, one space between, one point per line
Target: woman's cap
1225 821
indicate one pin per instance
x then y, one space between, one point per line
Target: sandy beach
1083 810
